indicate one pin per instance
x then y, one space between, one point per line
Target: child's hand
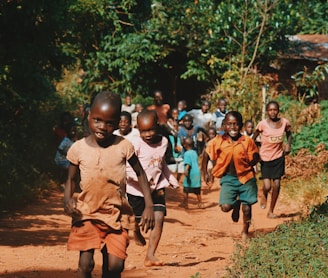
147 220
287 149
71 210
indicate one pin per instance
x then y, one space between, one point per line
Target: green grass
295 249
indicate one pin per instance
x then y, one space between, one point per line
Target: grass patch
295 249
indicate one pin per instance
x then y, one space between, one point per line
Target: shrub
295 249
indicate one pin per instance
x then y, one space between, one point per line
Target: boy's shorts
91 234
231 187
138 203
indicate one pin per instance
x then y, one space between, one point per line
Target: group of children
124 176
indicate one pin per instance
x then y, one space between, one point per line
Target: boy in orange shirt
234 155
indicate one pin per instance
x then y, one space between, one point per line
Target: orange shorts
92 234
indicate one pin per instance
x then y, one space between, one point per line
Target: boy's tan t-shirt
103 172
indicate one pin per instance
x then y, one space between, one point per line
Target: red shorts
92 234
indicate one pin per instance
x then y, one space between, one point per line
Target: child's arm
187 170
205 160
256 134
289 142
148 219
69 202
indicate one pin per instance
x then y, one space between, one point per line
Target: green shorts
231 188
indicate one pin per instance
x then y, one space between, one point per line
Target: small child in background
65 144
211 134
192 180
125 128
134 115
182 106
249 128
175 141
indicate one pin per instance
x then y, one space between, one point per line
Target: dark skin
274 122
232 130
103 120
147 125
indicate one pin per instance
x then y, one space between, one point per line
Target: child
176 149
272 153
96 214
65 144
125 128
234 155
192 179
219 115
211 134
182 106
150 149
189 130
134 115
249 128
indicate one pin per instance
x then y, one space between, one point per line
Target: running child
192 180
234 155
150 149
272 153
96 214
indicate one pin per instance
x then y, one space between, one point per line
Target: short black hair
237 116
127 115
272 102
108 97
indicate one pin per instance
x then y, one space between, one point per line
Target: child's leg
154 238
112 265
274 197
200 203
247 212
138 237
265 189
185 200
86 264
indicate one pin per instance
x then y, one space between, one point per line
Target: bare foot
184 205
139 239
271 215
236 211
263 202
153 262
201 205
244 237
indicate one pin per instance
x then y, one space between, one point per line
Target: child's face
181 106
249 128
139 108
128 100
187 122
211 133
124 125
232 127
205 107
222 106
148 128
158 98
103 120
175 114
272 111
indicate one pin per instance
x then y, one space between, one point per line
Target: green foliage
296 249
311 135
307 82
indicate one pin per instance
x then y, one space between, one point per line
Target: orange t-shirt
223 150
103 172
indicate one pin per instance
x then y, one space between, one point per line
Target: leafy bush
311 135
296 249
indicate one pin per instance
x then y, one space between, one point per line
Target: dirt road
33 240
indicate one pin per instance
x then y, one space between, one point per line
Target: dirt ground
33 240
